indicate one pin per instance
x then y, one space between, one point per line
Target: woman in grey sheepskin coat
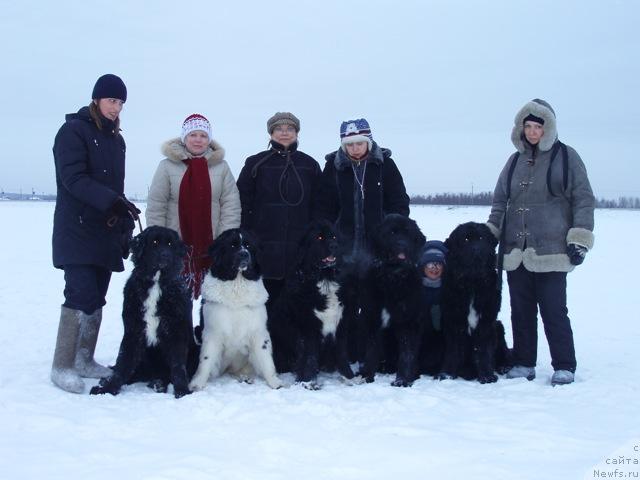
548 230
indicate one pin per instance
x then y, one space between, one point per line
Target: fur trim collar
237 293
541 109
342 160
175 151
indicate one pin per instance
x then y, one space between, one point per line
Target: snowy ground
445 430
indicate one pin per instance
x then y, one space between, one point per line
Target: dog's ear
419 237
180 246
136 246
486 233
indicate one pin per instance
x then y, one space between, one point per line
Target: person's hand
576 253
124 208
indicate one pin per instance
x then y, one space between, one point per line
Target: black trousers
85 287
529 290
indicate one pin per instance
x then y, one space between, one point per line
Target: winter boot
562 377
85 365
518 371
63 373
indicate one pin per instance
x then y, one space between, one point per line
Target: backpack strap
512 167
503 227
565 166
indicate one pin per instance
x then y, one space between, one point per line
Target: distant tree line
485 198
480 198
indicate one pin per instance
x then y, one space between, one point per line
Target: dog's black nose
244 258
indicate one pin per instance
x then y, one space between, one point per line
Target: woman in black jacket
91 227
277 189
360 185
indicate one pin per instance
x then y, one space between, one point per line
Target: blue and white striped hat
353 131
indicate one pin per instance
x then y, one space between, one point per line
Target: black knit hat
110 86
532 118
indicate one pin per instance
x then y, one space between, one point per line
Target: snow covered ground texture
513 429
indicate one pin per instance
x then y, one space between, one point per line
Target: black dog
305 321
470 305
397 315
158 344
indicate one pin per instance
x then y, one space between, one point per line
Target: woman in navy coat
92 224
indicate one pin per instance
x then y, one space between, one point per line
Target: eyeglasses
433 265
284 129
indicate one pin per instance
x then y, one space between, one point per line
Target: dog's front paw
445 376
491 378
102 389
197 384
356 380
312 385
368 378
158 386
181 392
274 383
109 385
400 382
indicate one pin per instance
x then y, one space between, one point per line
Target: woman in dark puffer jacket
92 224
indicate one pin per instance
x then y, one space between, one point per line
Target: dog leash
113 220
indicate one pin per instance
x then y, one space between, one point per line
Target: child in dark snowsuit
432 264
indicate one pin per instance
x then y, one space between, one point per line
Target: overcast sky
439 81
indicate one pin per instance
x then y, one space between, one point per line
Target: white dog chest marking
386 316
330 317
150 311
473 318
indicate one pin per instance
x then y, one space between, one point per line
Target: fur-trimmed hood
541 109
342 160
176 151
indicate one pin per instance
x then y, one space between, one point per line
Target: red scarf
194 212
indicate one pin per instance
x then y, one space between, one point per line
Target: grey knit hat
283 118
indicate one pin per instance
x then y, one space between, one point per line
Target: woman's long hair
94 111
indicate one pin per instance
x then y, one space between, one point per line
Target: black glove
576 253
124 208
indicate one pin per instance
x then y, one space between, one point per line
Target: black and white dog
158 344
474 339
305 321
234 335
397 316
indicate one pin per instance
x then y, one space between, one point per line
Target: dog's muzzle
244 259
329 261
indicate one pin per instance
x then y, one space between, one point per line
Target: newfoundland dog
395 321
234 334
305 321
474 339
158 344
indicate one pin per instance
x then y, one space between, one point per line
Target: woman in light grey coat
194 192
543 215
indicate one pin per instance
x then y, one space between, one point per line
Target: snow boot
63 373
518 371
85 365
562 377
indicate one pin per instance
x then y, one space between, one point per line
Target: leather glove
124 208
576 253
